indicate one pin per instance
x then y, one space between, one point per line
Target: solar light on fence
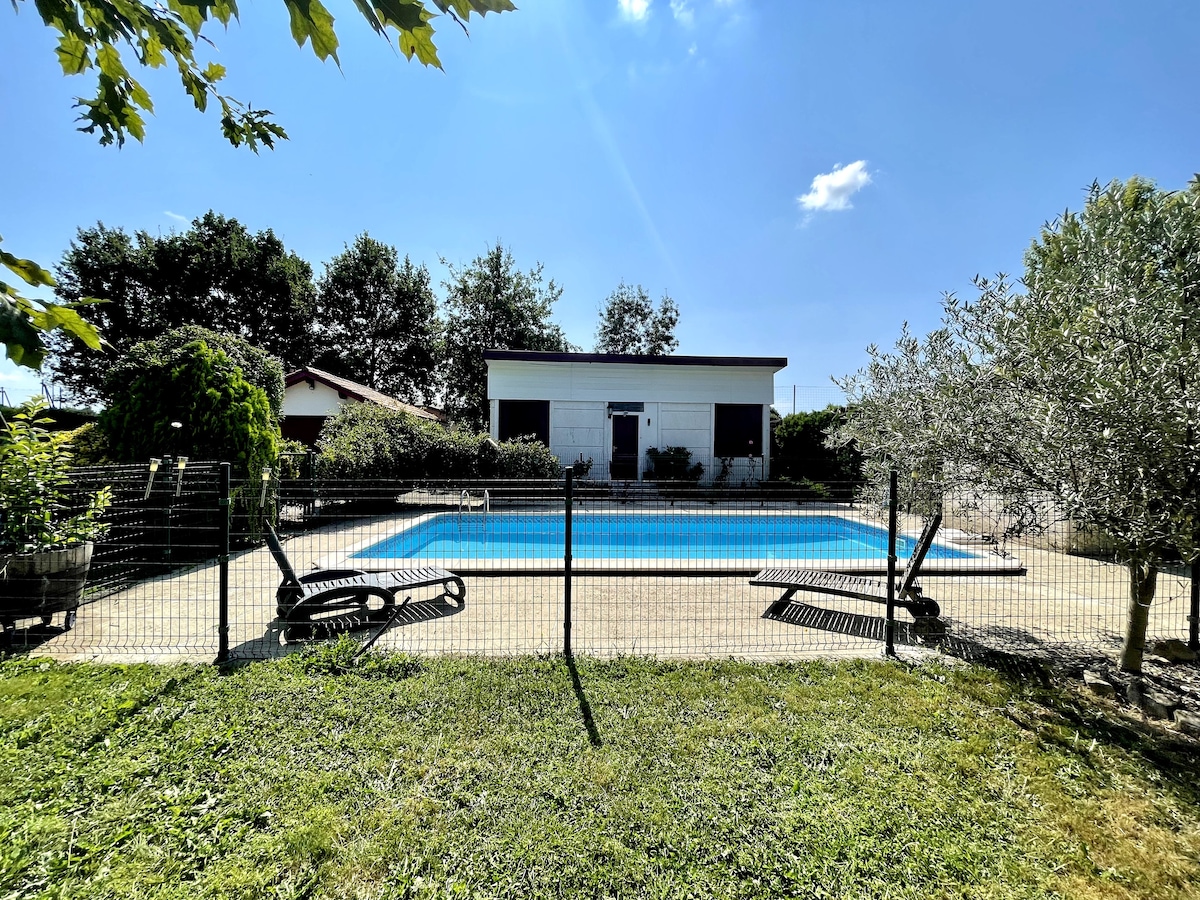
266 479
182 464
154 463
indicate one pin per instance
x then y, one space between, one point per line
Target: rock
1154 703
1174 651
1188 722
1098 684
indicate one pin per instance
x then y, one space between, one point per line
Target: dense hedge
799 453
365 441
258 367
220 414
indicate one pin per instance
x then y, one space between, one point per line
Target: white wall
579 426
679 406
319 400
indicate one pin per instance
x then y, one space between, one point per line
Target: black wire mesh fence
662 569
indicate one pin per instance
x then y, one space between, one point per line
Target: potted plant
45 542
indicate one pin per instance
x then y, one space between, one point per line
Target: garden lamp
182 464
154 463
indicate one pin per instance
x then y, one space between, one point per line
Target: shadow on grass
1070 720
974 646
585 708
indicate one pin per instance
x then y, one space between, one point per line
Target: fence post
890 625
1194 612
570 473
223 560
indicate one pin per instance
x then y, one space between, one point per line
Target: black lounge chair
908 592
344 599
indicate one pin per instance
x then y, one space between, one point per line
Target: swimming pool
646 541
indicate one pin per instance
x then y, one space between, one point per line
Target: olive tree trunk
1143 578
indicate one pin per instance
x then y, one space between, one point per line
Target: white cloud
176 216
634 10
833 190
692 49
683 13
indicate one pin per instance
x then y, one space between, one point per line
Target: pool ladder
464 499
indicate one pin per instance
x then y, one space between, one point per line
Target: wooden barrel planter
38 585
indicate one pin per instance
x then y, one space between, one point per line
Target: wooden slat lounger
341 599
908 592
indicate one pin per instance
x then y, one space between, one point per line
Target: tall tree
217 274
491 304
629 323
92 34
377 320
1078 397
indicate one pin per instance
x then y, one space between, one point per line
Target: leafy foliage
801 451
492 305
35 469
629 323
222 416
94 33
365 441
376 321
672 464
217 274
24 321
1075 398
258 367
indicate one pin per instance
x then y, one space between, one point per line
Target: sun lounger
343 599
908 592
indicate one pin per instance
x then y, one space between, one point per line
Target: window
521 418
738 430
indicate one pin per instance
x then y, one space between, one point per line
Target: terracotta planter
41 584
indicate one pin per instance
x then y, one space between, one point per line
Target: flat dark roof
774 362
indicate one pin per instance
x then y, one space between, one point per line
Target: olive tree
1076 396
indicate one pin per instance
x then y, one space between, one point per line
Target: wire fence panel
151 592
498 537
662 569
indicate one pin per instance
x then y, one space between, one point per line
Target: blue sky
801 177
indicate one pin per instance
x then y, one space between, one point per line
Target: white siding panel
577 428
524 380
687 425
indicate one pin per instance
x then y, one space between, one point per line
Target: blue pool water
767 539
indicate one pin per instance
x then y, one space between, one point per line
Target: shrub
222 416
35 514
88 445
673 464
799 452
365 441
258 366
525 458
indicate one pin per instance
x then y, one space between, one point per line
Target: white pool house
613 408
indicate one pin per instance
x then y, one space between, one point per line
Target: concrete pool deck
1061 601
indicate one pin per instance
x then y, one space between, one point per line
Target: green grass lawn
482 778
